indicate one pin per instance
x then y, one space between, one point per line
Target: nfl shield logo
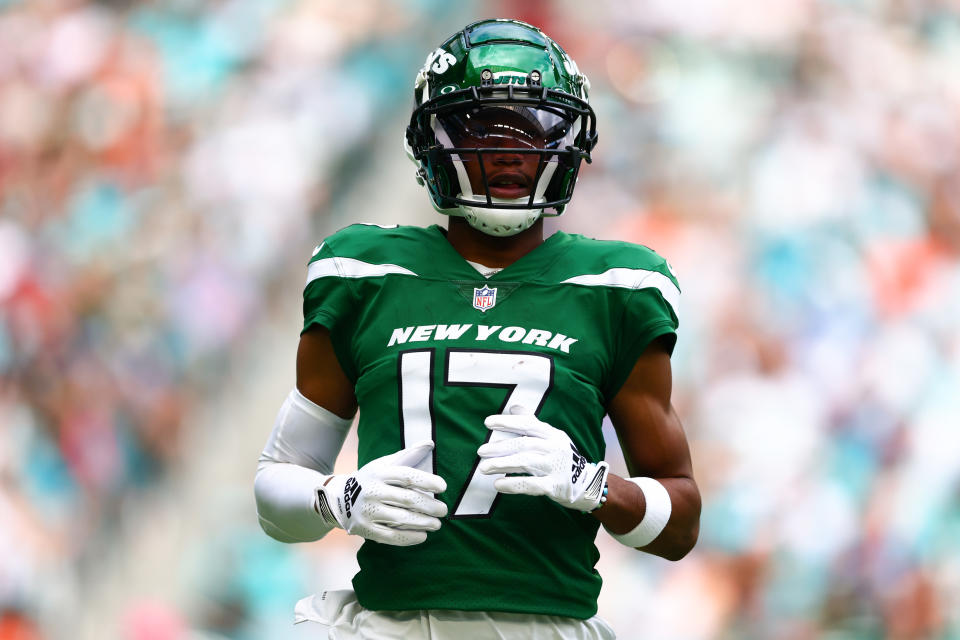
484 298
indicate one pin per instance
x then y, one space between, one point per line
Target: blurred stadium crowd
166 168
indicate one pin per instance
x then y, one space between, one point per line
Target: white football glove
551 461
387 500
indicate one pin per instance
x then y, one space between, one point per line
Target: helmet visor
507 126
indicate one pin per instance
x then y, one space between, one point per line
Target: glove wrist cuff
603 497
329 501
594 493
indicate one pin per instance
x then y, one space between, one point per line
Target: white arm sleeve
297 459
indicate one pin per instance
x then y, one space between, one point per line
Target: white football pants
336 615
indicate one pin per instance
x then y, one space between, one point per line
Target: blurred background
167 167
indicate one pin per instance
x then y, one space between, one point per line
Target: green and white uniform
433 347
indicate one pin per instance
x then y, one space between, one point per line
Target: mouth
509 185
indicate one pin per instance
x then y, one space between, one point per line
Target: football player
483 358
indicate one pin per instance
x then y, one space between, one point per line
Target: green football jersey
433 347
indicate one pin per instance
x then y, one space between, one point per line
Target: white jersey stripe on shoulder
351 268
632 279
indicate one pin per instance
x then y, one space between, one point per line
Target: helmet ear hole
445 177
560 186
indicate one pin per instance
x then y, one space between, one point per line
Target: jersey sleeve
330 301
650 312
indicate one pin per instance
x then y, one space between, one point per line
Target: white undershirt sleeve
296 460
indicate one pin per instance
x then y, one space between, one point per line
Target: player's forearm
285 495
626 506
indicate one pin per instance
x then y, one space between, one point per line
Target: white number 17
529 377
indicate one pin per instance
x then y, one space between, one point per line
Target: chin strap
500 222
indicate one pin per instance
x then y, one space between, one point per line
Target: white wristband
654 518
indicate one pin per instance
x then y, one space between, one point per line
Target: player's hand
551 462
387 500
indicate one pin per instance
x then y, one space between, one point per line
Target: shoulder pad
591 257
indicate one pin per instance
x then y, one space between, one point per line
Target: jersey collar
526 268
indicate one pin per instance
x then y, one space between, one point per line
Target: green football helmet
500 124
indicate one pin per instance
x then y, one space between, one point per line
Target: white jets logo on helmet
439 61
